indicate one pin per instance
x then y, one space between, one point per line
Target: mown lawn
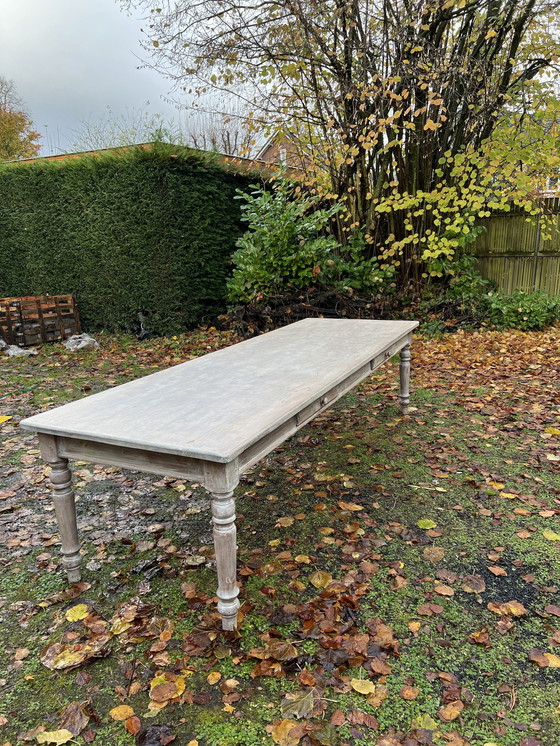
400 575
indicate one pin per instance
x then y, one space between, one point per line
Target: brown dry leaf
166 686
451 711
281 733
508 608
544 660
497 571
122 712
338 717
474 584
306 678
363 686
74 718
353 507
524 534
280 650
188 589
444 590
379 696
133 724
320 579
379 667
434 554
21 654
552 609
409 693
298 704
481 637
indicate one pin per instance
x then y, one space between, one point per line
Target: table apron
166 464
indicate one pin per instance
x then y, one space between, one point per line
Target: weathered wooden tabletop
216 406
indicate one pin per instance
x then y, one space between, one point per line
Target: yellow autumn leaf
281 733
551 535
496 485
5 418
363 686
549 430
284 522
431 125
55 736
122 712
553 660
426 523
320 579
425 722
80 611
213 677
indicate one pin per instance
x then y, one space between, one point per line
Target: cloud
71 59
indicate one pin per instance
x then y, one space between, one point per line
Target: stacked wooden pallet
36 319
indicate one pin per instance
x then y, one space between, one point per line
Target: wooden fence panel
521 254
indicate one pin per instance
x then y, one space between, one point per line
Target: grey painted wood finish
213 417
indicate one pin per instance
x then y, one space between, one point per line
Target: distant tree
18 139
221 132
203 130
132 127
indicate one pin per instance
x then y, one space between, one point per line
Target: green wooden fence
519 254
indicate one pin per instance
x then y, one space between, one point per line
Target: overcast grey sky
71 59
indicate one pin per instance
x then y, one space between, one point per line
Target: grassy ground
399 575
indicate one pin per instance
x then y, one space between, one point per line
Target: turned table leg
225 537
404 393
65 509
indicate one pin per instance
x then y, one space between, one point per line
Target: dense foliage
148 230
288 247
289 266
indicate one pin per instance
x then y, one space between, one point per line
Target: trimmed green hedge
147 229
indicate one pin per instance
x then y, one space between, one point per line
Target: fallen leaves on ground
337 615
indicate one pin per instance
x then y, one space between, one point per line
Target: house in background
279 150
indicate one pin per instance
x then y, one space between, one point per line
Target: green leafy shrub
284 247
287 247
519 310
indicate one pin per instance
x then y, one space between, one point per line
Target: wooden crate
36 319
